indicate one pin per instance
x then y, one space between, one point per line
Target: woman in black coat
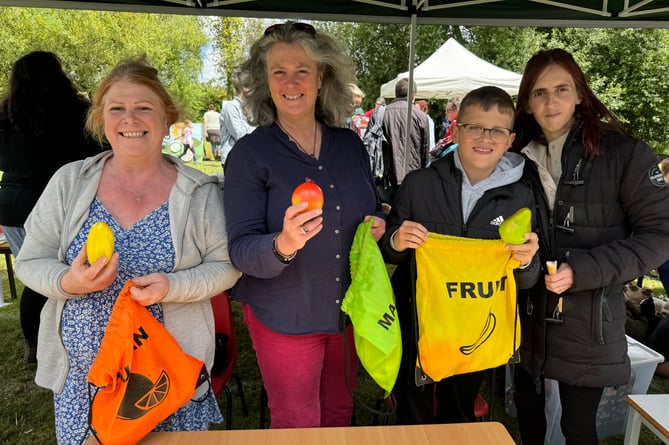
41 128
603 216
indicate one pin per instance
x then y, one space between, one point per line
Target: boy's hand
525 252
409 236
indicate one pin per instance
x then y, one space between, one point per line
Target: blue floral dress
144 248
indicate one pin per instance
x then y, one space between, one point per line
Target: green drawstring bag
370 304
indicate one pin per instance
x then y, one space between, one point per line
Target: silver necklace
139 196
292 138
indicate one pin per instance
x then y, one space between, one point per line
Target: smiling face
553 99
134 119
294 81
480 155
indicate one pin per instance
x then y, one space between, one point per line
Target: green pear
513 229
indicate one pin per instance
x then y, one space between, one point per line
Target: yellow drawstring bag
466 306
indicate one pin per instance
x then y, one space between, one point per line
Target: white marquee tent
452 70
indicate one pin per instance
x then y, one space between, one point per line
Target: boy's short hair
487 97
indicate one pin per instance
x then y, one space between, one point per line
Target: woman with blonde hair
170 239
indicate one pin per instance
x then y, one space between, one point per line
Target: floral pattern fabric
143 248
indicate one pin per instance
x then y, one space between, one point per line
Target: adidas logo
497 221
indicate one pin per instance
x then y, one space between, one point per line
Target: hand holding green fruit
513 229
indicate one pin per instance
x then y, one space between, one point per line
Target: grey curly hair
333 105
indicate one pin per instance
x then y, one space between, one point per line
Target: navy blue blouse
261 172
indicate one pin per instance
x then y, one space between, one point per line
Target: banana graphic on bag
487 331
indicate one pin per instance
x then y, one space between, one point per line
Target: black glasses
497 134
299 26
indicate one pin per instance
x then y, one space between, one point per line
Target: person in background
234 123
380 101
445 144
357 121
358 96
294 261
174 251
187 140
604 218
450 121
476 184
212 130
422 106
394 130
42 121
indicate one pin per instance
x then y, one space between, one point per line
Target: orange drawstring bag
141 374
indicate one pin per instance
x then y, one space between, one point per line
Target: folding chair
226 355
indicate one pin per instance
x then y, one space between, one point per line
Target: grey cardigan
202 266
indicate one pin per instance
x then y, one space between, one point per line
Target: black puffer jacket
432 197
619 229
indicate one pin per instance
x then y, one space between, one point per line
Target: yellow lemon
100 242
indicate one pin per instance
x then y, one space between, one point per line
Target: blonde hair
136 70
355 90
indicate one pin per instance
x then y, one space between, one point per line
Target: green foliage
90 43
232 37
626 70
626 67
506 47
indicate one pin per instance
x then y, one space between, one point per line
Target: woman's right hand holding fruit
83 278
299 226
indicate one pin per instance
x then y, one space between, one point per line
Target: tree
232 38
380 51
626 69
90 43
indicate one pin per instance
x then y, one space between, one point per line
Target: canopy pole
410 95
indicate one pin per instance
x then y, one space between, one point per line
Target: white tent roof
451 71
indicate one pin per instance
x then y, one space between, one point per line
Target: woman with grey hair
295 261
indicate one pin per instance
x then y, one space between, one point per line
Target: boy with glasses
467 193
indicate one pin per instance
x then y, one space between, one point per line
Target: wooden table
650 409
475 433
4 249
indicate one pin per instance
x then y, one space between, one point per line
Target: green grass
26 411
